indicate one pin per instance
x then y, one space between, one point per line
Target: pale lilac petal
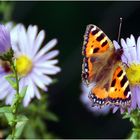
37 94
126 50
138 49
10 97
4 92
32 33
133 39
47 47
132 49
9 25
50 67
48 63
38 41
122 110
38 82
48 56
137 92
23 40
124 59
134 98
26 99
14 33
115 109
5 40
116 45
49 71
46 80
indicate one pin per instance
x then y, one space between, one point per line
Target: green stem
17 103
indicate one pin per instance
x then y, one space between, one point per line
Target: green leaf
12 75
10 118
21 121
29 128
15 100
23 92
9 137
51 116
5 109
11 81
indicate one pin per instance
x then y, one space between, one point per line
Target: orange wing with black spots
118 94
95 43
102 66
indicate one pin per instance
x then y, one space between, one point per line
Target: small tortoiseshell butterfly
102 65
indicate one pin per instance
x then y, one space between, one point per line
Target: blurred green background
67 21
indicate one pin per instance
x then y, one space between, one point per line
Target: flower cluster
34 62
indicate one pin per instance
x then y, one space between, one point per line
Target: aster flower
131 58
85 100
33 62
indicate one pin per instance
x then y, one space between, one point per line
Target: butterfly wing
95 43
118 94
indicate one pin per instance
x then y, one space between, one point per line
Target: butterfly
103 70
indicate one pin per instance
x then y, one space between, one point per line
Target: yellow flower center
133 74
23 65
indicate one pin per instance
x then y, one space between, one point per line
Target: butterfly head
118 54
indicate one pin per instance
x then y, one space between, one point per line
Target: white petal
38 81
49 71
130 43
23 45
134 97
4 85
132 48
138 49
9 98
48 56
123 43
30 85
46 80
124 59
15 36
9 25
126 51
137 96
37 94
115 109
46 64
26 99
116 45
32 33
133 39
38 41
3 92
47 47
133 54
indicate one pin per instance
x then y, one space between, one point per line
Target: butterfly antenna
119 29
